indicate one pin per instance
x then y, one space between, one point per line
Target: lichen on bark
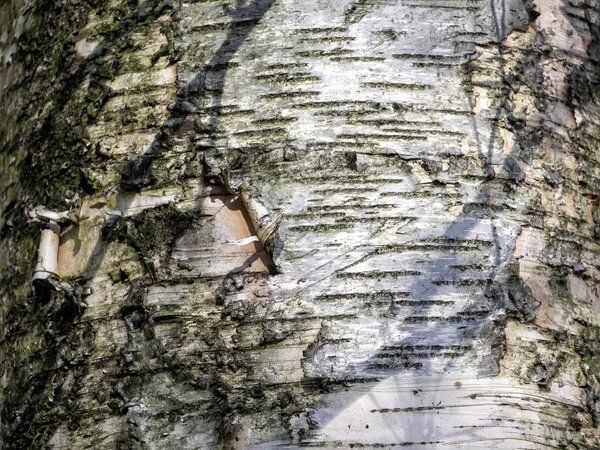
427 188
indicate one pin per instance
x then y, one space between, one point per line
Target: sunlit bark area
284 224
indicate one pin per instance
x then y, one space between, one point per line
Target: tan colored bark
421 179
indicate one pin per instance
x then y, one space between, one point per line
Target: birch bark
328 223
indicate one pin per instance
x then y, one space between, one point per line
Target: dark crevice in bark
504 286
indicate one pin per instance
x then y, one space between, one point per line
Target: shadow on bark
137 174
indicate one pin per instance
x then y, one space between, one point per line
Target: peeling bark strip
334 224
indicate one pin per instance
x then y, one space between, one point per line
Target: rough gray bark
422 181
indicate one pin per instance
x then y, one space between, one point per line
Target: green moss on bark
43 343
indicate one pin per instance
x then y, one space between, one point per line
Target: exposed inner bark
421 179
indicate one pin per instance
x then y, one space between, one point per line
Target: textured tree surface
318 223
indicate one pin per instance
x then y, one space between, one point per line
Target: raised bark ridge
434 167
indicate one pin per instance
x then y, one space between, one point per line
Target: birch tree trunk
287 224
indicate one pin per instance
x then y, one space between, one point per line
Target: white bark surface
423 178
